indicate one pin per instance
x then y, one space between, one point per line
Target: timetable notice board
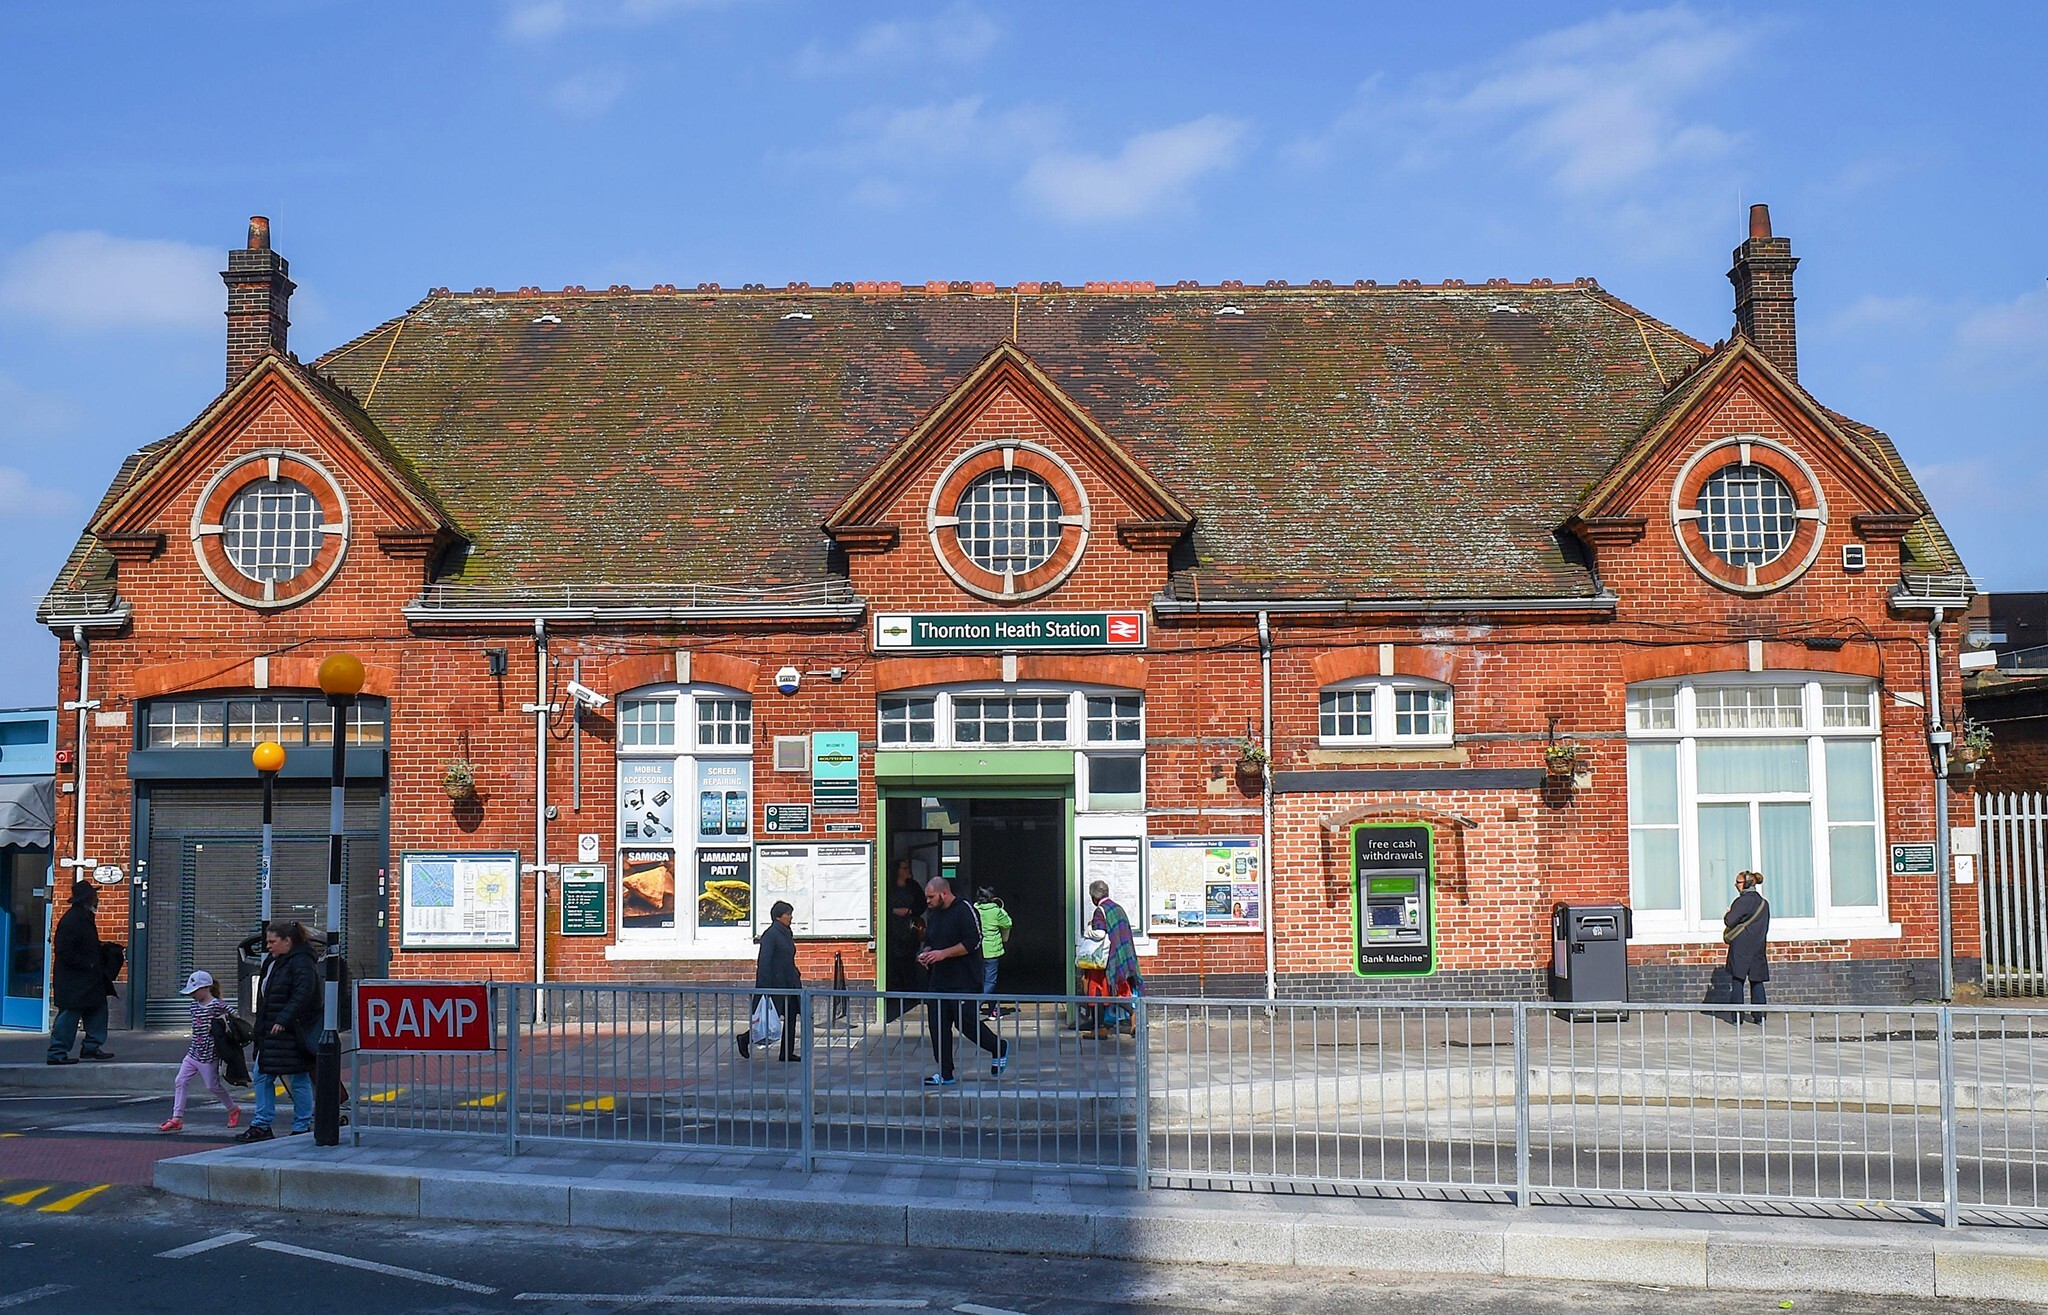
456 901
831 887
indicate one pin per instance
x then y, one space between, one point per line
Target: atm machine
1393 866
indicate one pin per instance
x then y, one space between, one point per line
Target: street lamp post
341 679
269 760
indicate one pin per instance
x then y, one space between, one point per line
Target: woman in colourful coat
1120 975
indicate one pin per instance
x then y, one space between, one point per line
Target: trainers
745 1046
255 1132
1001 1061
941 1080
170 1125
235 1117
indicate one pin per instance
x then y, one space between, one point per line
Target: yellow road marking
75 1199
23 1198
603 1104
9 1134
381 1097
489 1102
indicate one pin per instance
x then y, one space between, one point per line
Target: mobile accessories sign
1393 899
940 631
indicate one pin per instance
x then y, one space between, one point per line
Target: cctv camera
586 696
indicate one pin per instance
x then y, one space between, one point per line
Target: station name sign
1009 630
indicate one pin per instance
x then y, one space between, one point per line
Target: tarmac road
148 1253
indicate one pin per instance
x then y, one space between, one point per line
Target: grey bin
1589 956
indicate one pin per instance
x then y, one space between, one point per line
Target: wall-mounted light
496 658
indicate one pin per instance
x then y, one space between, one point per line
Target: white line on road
195 1248
732 1301
23 1298
395 1271
969 1308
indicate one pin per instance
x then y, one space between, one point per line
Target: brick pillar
1763 292
259 301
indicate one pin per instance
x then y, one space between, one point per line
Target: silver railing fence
1915 1112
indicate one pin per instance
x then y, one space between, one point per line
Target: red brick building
1343 630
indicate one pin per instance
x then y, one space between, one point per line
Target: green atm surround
1390 879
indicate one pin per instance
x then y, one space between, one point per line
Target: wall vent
793 753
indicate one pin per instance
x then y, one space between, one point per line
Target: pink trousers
207 1072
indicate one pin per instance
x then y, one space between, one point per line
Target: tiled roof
1383 442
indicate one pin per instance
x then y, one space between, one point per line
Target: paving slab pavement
713 1194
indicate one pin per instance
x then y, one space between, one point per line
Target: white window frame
943 697
1384 733
686 940
1692 923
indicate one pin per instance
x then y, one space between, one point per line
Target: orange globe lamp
268 756
341 675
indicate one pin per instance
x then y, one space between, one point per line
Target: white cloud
21 498
1872 313
543 20
893 157
87 280
1597 108
959 35
1151 169
587 95
2008 344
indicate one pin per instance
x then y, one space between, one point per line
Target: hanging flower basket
1251 759
459 780
1971 750
1562 759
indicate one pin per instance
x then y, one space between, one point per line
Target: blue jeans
988 976
266 1099
65 1030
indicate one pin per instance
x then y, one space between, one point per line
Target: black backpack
113 958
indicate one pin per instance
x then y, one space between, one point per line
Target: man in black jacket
288 1009
78 979
952 956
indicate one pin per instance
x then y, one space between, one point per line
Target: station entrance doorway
1016 846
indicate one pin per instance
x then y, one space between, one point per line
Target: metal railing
1913 1111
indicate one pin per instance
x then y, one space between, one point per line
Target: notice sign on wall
1204 885
831 887
586 899
459 901
835 772
1115 862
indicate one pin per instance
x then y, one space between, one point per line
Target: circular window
1009 522
271 532
270 529
1748 515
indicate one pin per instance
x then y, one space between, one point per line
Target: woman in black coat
288 1006
775 970
1746 927
78 979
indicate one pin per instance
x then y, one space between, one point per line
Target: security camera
586 696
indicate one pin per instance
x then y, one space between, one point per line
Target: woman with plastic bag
775 1016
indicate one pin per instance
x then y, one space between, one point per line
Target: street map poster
1204 885
459 901
831 887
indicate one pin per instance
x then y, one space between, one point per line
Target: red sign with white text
424 1016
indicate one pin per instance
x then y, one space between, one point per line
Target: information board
787 819
1913 860
450 901
586 899
831 887
835 771
1116 862
1204 885
1393 905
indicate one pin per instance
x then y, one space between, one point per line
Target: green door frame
975 774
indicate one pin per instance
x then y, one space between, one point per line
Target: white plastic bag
766 1025
1092 952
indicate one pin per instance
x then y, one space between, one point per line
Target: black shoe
60 1059
746 1046
98 1054
255 1132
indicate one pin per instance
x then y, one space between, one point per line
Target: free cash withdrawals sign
1021 630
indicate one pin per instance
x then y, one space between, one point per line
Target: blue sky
399 146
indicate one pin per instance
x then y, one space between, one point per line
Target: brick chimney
1763 292
259 300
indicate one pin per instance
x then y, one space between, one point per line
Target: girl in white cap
200 1060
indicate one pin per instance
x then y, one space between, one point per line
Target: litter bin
248 968
1589 954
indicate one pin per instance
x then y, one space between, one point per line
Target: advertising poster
725 798
830 887
1116 862
1204 885
647 801
459 901
647 889
725 885
586 899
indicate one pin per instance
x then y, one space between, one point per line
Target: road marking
603 1104
969 1308
385 1097
23 1198
734 1301
489 1102
195 1248
75 1199
23 1298
395 1271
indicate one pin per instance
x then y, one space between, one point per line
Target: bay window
1776 772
